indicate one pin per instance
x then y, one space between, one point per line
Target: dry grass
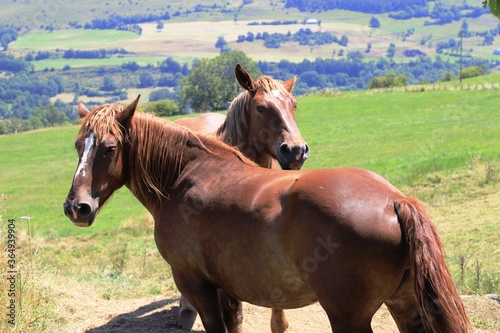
25 302
465 208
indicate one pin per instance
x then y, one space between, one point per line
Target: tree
49 115
368 48
159 25
211 84
488 39
162 94
494 6
147 80
221 42
344 40
448 76
374 22
391 51
250 37
109 83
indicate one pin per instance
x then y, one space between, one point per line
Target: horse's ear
82 109
289 84
244 78
124 117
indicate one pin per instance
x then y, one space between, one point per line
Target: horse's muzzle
82 214
292 158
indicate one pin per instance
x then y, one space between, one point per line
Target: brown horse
232 230
260 122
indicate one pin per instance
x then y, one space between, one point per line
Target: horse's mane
156 147
234 130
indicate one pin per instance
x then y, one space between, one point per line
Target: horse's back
357 199
206 123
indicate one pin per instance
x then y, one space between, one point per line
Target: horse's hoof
187 319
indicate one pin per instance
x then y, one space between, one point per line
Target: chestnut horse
260 122
233 231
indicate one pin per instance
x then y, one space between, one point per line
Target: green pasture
403 136
78 39
58 13
441 146
79 63
37 171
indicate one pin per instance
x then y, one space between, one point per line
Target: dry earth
159 314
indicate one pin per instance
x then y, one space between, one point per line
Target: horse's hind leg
187 314
403 307
279 323
232 312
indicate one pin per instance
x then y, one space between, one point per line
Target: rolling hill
441 146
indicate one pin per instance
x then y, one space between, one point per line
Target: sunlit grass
441 146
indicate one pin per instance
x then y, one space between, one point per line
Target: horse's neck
266 161
247 148
195 151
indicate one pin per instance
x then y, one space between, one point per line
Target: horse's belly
275 296
268 286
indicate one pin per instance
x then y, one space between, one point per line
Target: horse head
271 119
100 168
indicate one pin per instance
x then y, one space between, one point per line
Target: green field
73 39
80 63
403 136
441 146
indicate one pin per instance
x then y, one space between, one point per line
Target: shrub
472 71
163 108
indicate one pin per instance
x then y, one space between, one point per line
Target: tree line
364 6
397 9
304 36
208 85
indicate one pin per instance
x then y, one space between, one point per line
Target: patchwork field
186 37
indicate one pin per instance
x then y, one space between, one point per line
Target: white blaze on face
89 142
277 94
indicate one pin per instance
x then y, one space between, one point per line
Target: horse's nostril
285 150
67 209
306 151
84 209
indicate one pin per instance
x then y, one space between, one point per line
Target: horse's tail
439 303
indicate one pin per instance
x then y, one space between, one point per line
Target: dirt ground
159 314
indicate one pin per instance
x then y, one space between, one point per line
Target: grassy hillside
403 136
440 146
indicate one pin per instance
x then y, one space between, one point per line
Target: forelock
101 121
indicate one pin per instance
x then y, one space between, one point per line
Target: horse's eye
110 149
260 109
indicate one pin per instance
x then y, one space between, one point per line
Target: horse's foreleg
187 314
204 298
279 323
232 312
